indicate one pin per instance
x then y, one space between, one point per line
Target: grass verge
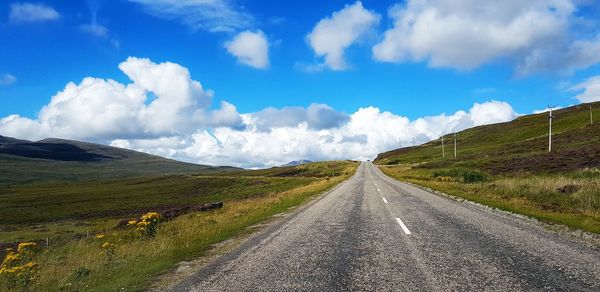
571 199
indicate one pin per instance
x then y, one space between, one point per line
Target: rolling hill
517 146
297 162
50 160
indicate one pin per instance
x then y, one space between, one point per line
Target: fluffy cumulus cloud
316 117
590 90
161 100
209 15
331 36
164 111
364 134
536 35
7 79
31 12
250 48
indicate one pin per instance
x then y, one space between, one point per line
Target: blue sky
67 41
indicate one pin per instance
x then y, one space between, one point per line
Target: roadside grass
572 199
80 263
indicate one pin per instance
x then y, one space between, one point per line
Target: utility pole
591 117
550 117
443 153
454 145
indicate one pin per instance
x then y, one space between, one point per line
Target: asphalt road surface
373 233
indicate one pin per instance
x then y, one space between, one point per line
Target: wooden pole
550 131
454 144
443 153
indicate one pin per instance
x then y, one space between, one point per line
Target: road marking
378 190
403 226
384 200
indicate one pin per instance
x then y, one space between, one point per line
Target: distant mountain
52 159
9 140
297 162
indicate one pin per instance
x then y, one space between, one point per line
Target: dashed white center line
378 190
384 200
403 226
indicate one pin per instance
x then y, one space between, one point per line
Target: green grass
16 170
250 197
98 199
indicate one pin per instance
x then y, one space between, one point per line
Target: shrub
81 272
463 175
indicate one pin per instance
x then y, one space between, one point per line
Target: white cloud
491 112
535 35
332 35
31 12
162 100
209 15
590 88
164 111
7 79
250 48
95 30
316 116
365 133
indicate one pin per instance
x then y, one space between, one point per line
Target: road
373 233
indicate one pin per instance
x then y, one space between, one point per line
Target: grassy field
508 166
67 212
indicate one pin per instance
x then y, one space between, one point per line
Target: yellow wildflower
30 265
11 257
100 236
24 246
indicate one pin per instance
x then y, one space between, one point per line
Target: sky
261 83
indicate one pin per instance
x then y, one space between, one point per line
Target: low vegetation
96 256
508 166
569 199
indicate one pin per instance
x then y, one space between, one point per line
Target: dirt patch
568 189
174 212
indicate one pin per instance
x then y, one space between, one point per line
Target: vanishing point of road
373 233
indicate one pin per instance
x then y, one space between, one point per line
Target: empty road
373 233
